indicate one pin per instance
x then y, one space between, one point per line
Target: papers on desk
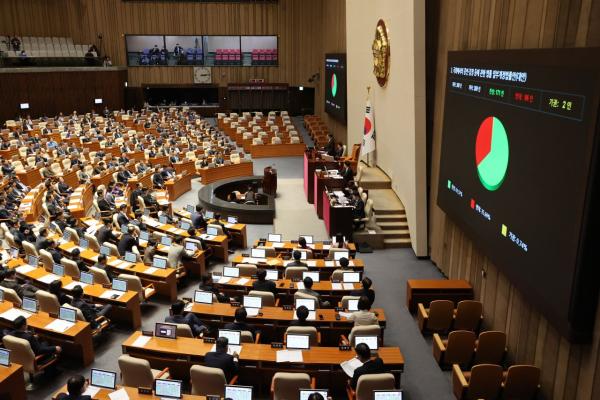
348 286
120 264
228 225
351 263
350 365
278 244
172 229
289 356
114 262
243 281
109 293
71 285
94 258
299 285
224 279
49 278
91 230
120 394
141 341
23 269
59 325
326 246
311 263
207 237
73 206
150 270
13 313
230 350
162 201
91 391
252 312
252 260
336 286
188 307
311 316
330 263
345 314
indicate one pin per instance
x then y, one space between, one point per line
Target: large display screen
186 50
517 170
335 86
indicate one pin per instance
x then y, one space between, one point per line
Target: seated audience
363 316
76 386
190 319
370 366
220 358
90 311
263 284
39 347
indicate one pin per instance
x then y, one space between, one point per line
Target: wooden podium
269 185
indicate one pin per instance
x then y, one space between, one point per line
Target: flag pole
368 154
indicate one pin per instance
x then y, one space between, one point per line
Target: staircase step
388 212
396 243
396 233
391 217
392 226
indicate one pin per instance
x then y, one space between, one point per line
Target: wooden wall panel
568 371
34 18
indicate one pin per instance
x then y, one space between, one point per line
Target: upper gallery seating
33 50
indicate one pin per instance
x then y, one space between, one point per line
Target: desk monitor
274 237
58 270
159 262
105 250
67 314
24 106
308 238
303 254
165 240
144 235
163 330
258 253
305 393
1 295
338 239
387 395
4 357
231 272
235 392
351 277
308 303
162 219
86 277
272 275
104 379
130 257
370 340
33 261
97 101
190 208
200 296
191 246
312 275
296 341
353 305
209 215
66 236
252 302
147 210
167 388
184 225
84 243
212 231
119 284
124 228
341 254
234 337
29 304
14 252
232 220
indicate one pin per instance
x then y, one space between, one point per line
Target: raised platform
211 197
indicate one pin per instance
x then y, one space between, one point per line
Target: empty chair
29 248
437 318
299 295
285 385
483 382
257 141
315 336
136 372
468 315
135 284
71 268
294 272
21 353
246 337
269 251
275 140
247 269
184 330
207 381
92 242
12 296
47 301
100 276
268 298
490 348
361 330
368 383
114 250
521 382
457 349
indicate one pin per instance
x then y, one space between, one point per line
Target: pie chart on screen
491 153
334 85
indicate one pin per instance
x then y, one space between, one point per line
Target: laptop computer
203 297
351 277
130 257
167 388
370 340
312 275
297 341
163 330
308 303
353 305
231 272
274 237
58 269
29 304
341 254
105 250
236 392
159 262
272 275
4 357
84 243
191 246
103 379
232 220
190 208
234 337
162 219
119 284
209 215
165 241
258 253
67 314
86 277
144 235
212 231
387 395
252 302
184 225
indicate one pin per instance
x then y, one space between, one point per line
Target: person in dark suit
339 150
374 366
220 359
239 323
330 146
347 173
302 314
123 175
8 279
208 286
55 288
157 178
90 312
105 233
198 219
135 193
190 319
76 386
128 240
365 291
122 218
39 348
297 263
262 284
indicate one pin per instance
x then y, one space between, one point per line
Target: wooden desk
258 362
310 165
126 309
186 165
275 320
178 186
80 200
102 179
163 161
75 341
321 183
426 290
277 150
31 204
338 218
319 249
70 177
210 175
325 267
132 392
145 180
30 177
12 382
240 238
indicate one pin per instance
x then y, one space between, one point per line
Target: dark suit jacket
297 264
126 243
104 205
158 179
374 366
65 396
88 311
37 346
105 234
361 292
240 326
222 361
347 174
198 220
330 147
122 219
265 286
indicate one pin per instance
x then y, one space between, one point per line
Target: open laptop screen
103 379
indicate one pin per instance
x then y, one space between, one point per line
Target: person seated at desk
370 366
358 210
217 221
339 150
41 242
297 255
329 148
55 288
157 178
167 173
164 212
100 168
347 173
90 311
177 253
8 279
344 264
123 175
219 159
133 197
150 251
62 188
190 319
47 173
250 196
302 314
239 323
194 236
365 290
76 386
363 316
219 358
105 233
76 258
102 264
304 247
197 218
122 218
38 348
109 195
54 251
141 167
308 283
128 240
149 200
262 284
